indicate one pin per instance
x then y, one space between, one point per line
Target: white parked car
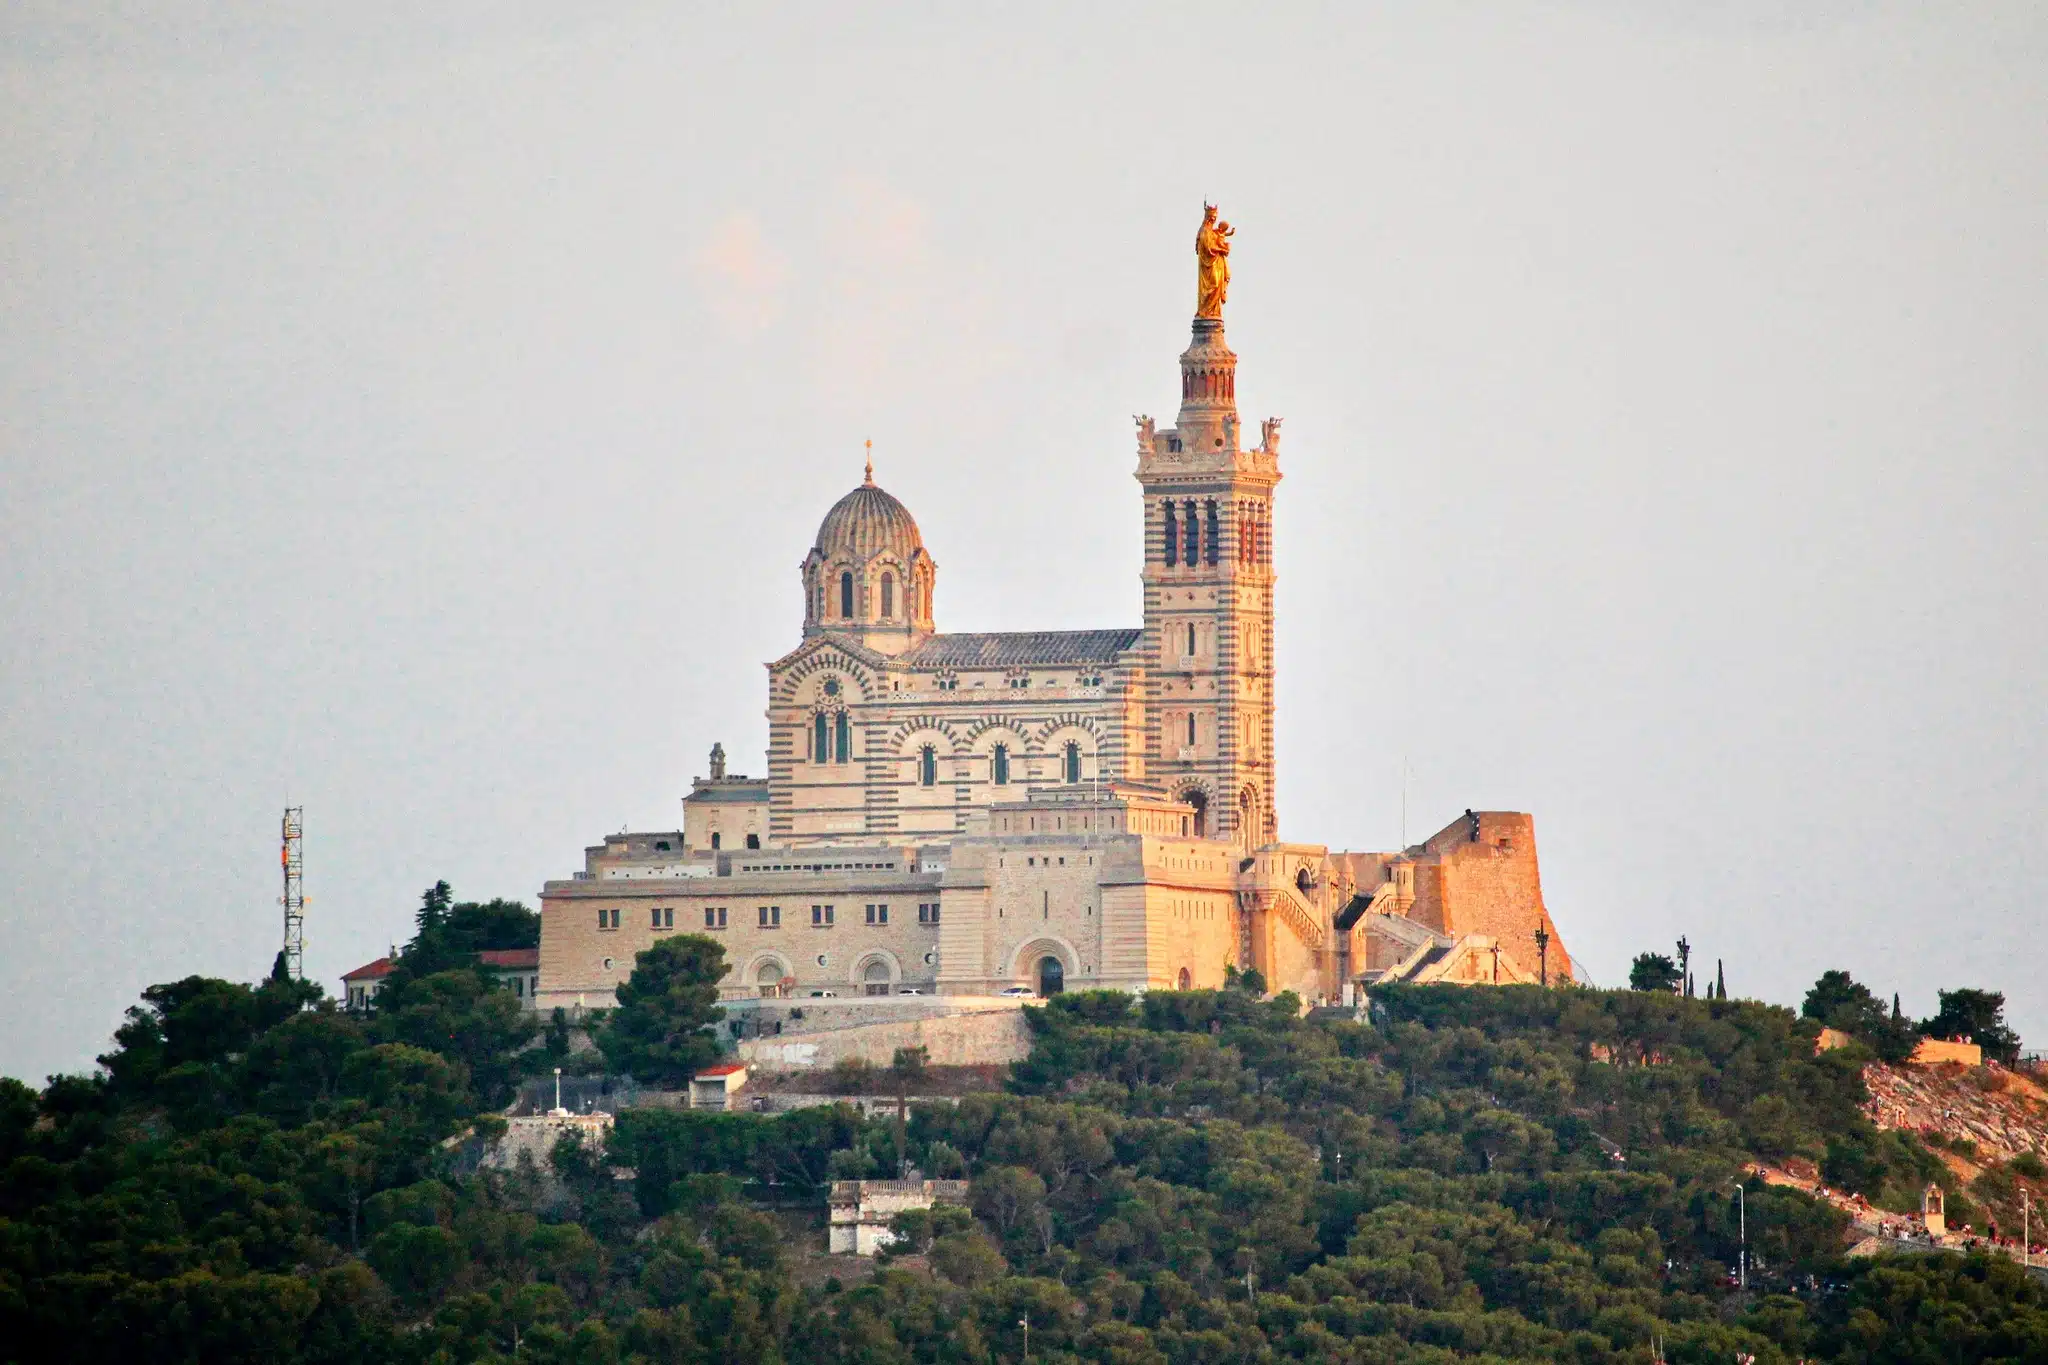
1016 992
824 995
908 990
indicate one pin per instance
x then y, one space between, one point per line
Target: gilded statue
1212 264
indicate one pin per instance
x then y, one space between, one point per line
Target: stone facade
967 813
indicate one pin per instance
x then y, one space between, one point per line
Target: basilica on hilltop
948 813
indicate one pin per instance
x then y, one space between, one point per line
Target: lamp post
2026 1230
1742 1223
1542 953
558 1090
1025 1323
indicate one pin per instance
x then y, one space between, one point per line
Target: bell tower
1208 638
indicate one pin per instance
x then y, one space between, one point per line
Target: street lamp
1542 953
1742 1222
1025 1323
2026 1229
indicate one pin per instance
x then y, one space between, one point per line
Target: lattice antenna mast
292 855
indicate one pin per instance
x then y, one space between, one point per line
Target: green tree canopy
462 1015
1653 972
451 933
1841 1002
660 1031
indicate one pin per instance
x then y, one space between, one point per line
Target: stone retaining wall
993 1037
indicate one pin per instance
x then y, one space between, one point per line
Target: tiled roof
1008 649
722 1069
370 971
509 957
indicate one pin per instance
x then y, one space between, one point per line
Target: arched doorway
1200 801
1186 981
874 978
768 979
1052 975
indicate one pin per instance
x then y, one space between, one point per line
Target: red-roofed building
715 1086
516 969
360 986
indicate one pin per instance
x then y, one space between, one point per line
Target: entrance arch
1199 799
768 977
1186 981
1027 963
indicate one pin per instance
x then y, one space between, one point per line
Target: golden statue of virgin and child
1212 264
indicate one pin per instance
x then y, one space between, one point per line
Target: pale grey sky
422 419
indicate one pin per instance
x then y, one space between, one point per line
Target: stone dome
867 522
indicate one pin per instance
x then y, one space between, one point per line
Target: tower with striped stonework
1208 633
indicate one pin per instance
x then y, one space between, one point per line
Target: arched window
768 980
874 978
1192 534
846 595
1191 727
714 838
1001 765
753 841
1191 639
844 738
888 595
1215 532
1185 981
927 767
821 750
1073 761
1172 535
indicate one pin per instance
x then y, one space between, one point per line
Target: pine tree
433 911
1720 981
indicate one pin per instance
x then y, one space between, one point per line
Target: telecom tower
292 856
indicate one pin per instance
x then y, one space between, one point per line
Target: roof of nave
1004 649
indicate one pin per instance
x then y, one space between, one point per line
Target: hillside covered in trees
1472 1175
